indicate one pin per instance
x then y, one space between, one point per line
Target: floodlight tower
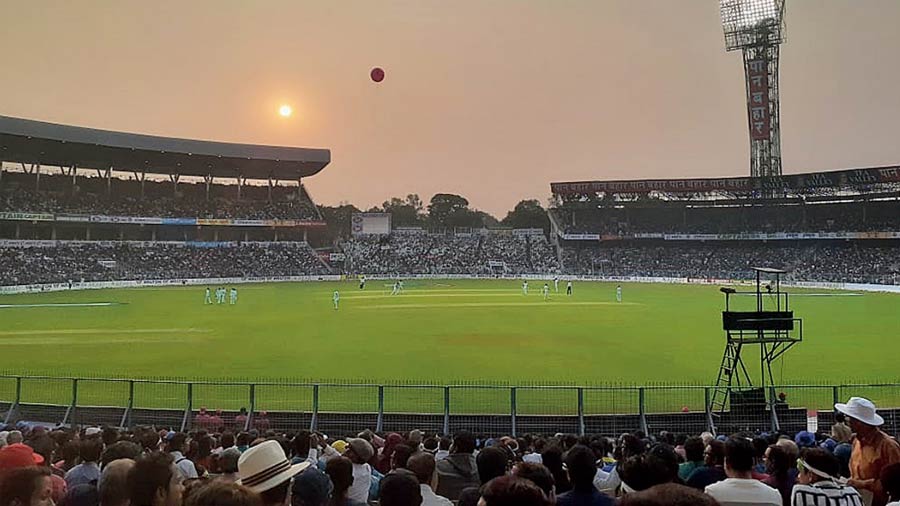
756 27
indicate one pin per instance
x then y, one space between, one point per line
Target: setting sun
285 111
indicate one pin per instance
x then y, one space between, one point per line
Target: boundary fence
346 408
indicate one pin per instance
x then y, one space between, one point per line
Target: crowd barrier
489 409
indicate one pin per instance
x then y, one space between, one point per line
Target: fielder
546 291
524 287
618 293
336 298
362 283
208 298
233 295
569 288
556 284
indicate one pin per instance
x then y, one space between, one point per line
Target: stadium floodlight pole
756 27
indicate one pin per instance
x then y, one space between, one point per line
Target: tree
404 212
338 219
447 210
528 214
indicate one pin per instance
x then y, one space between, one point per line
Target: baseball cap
312 486
362 448
18 455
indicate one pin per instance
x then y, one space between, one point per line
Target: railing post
580 411
15 405
70 413
774 415
835 395
186 419
643 415
126 417
314 421
379 422
447 411
252 406
512 410
710 425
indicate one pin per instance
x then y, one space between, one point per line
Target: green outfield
435 332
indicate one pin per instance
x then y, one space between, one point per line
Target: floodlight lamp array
751 22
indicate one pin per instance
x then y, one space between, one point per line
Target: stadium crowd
81 261
673 218
827 262
421 253
125 198
226 463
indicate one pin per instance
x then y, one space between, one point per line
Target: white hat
862 409
265 466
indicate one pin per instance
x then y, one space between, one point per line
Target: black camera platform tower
772 328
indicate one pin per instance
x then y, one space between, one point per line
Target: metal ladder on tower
727 370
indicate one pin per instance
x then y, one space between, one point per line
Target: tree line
444 211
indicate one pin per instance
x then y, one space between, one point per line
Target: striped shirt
825 493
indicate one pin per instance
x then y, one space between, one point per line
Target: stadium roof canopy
37 142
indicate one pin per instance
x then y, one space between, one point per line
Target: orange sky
492 99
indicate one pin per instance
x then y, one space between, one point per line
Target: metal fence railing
487 409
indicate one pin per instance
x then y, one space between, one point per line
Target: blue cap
805 439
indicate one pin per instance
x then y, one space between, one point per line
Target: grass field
436 332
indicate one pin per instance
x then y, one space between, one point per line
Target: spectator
782 470
399 489
581 467
512 491
873 450
539 475
385 458
818 482
311 488
359 452
113 483
228 465
340 470
26 486
219 493
88 472
401 455
265 469
422 465
649 469
668 494
155 481
119 450
714 469
491 463
443 449
693 451
176 445
739 488
458 470
552 457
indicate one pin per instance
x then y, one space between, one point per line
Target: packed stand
80 261
421 253
159 199
855 262
623 220
243 463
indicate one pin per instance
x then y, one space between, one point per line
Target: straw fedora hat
265 466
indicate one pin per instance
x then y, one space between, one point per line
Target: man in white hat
265 470
873 450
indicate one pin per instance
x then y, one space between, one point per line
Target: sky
490 99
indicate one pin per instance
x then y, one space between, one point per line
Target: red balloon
377 74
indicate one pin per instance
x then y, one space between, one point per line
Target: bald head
422 464
113 485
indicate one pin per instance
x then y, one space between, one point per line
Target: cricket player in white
524 287
556 284
618 293
546 291
569 288
396 289
336 298
362 283
233 295
400 285
208 298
